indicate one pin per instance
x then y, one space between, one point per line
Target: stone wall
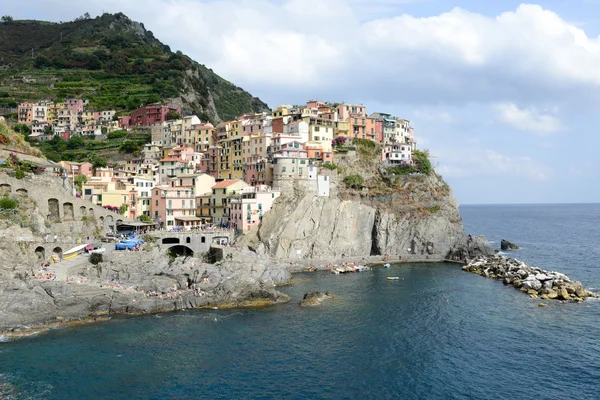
198 242
53 202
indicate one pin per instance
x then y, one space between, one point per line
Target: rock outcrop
534 281
506 245
418 220
139 283
312 299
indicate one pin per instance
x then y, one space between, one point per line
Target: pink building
258 171
317 153
345 111
210 162
187 154
374 129
74 104
124 121
246 210
174 205
152 114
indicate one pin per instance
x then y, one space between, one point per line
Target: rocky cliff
138 283
413 216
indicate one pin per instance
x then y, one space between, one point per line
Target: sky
503 94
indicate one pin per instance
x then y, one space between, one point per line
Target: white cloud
527 119
326 48
471 162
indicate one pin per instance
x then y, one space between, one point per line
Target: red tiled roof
226 183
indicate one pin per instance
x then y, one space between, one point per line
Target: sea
435 333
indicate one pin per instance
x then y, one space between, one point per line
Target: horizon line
525 204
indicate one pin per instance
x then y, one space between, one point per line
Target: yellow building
222 193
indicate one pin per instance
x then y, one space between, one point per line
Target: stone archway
171 240
110 218
68 213
40 252
58 252
22 192
53 210
83 211
101 221
5 189
91 212
203 239
188 239
180 251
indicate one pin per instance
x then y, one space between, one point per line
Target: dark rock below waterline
314 299
532 280
506 245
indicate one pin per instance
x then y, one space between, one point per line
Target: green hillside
113 62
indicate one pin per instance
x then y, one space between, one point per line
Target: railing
178 196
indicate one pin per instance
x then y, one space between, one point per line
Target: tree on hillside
173 115
80 180
76 142
6 19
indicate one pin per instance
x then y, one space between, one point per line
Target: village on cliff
193 174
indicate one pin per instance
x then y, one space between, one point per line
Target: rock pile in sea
312 299
506 245
534 281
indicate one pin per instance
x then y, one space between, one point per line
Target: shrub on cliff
422 162
8 203
19 174
355 181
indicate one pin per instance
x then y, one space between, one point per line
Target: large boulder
506 245
312 299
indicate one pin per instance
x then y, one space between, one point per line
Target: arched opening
91 211
203 239
22 192
4 189
83 211
101 220
170 241
109 218
188 240
68 213
40 252
53 210
222 240
57 254
119 222
181 251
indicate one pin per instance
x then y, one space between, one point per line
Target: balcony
177 196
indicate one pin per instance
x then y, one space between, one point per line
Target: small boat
98 250
386 265
392 278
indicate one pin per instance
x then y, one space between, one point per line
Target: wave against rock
534 281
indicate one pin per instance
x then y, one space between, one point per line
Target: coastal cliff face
122 282
415 218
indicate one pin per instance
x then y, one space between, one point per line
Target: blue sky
504 94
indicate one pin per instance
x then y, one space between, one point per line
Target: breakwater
534 281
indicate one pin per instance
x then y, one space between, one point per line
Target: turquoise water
437 333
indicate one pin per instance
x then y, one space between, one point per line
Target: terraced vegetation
113 62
